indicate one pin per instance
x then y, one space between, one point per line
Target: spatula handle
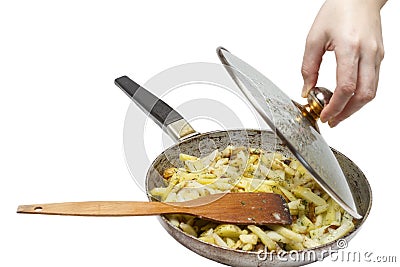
101 208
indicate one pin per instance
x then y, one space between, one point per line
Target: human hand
352 29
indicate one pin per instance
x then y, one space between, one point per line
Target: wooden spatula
237 208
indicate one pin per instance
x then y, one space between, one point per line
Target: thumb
314 50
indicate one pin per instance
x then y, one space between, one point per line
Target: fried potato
318 219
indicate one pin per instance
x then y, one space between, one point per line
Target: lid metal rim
351 210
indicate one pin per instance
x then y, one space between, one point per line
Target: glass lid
293 128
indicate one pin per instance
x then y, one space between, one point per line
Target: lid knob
317 98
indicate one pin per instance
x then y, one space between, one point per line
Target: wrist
378 4
381 3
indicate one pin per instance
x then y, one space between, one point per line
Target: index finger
313 52
346 83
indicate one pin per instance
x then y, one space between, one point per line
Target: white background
61 116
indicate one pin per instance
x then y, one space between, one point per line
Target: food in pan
317 218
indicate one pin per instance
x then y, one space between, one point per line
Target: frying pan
191 142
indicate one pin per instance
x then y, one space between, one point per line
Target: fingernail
304 92
333 123
324 118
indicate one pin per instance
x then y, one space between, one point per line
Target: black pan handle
165 116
